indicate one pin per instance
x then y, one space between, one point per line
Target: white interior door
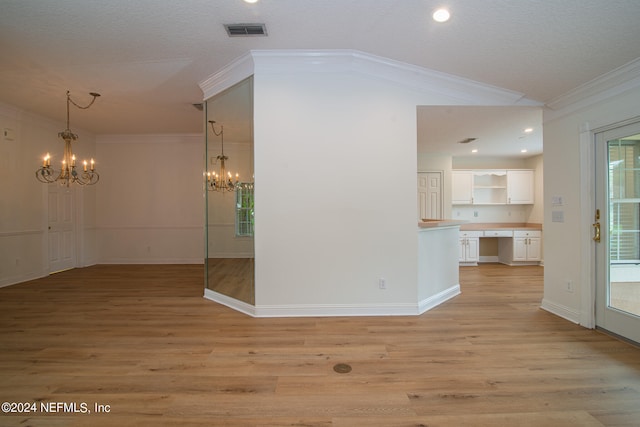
62 235
430 195
617 231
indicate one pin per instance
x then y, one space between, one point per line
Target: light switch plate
557 216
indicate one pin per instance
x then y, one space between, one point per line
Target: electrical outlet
382 283
568 286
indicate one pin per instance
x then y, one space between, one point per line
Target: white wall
564 241
150 203
335 191
23 207
536 214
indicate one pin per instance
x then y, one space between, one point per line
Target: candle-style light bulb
84 163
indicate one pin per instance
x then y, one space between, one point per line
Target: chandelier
68 174
221 181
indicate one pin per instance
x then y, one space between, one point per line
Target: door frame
587 141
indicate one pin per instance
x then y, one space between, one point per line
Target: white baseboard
334 310
562 311
14 280
235 304
439 298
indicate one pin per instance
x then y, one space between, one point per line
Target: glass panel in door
618 225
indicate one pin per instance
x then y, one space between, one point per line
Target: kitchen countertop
435 223
480 226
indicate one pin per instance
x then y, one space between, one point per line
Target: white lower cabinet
469 247
524 248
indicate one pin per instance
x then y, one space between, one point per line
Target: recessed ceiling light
441 15
475 150
251 1
524 150
528 130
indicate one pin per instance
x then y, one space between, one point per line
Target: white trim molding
232 303
334 310
561 311
597 90
342 60
437 299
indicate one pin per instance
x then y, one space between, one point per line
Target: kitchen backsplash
488 213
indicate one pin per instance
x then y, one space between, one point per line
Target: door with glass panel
617 231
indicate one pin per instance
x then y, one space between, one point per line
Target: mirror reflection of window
244 210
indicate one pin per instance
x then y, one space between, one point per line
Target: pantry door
429 195
616 228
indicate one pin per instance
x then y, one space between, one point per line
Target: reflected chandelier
68 173
221 181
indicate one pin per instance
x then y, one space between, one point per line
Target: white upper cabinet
520 187
462 187
492 187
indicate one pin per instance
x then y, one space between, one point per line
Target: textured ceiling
146 57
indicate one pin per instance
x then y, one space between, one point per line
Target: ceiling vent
198 107
246 30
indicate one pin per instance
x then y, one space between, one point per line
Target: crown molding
236 71
597 90
461 90
403 74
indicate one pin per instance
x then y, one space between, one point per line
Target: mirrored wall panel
229 182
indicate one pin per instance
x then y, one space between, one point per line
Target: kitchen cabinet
492 187
524 248
520 187
462 187
489 187
469 249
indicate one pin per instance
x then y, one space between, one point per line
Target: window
244 210
624 191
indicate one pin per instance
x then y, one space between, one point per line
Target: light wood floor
144 341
